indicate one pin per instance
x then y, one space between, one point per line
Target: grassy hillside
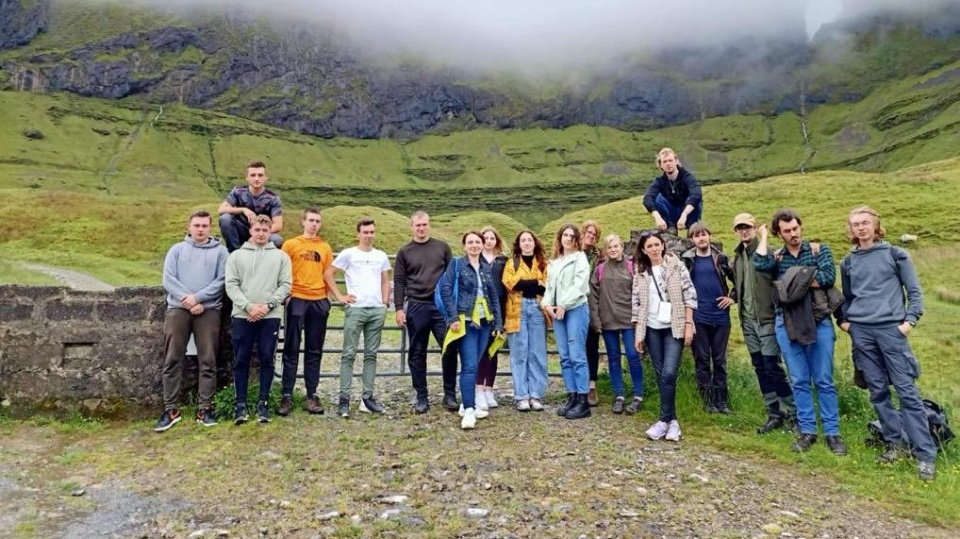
126 148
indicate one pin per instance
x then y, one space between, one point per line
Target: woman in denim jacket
475 311
565 300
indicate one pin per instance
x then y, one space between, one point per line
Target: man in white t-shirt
367 273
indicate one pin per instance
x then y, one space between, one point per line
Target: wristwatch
913 323
272 305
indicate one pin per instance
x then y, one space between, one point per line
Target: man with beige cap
753 291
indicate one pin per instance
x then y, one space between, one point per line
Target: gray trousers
178 324
885 357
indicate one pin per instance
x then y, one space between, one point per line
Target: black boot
581 407
571 399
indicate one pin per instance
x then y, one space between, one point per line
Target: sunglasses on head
648 233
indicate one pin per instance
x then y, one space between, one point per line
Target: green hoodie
258 275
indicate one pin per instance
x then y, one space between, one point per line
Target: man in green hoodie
258 282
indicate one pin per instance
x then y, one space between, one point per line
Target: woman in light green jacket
565 300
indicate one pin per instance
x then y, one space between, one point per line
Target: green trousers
357 320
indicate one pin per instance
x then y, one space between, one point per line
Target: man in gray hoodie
193 276
258 282
884 301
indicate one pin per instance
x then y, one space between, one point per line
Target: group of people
588 290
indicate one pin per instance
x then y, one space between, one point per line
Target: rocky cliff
304 80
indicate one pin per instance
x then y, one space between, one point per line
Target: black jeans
593 353
309 317
422 320
710 357
246 335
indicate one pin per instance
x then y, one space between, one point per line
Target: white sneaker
491 399
523 405
536 405
480 413
658 430
673 431
469 420
479 401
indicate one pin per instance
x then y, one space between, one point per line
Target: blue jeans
263 334
528 352
611 340
665 352
812 362
671 213
472 346
885 357
571 336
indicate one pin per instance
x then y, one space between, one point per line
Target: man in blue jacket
193 276
884 301
674 198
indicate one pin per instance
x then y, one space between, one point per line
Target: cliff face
305 81
21 21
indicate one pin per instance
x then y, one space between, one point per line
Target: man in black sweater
674 199
418 267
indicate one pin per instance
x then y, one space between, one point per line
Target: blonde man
674 199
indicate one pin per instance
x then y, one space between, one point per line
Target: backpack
602 264
937 420
438 298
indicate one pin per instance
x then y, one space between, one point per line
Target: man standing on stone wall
258 282
307 311
418 267
193 276
753 291
368 293
244 202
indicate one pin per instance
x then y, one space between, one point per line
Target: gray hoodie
258 275
874 281
192 268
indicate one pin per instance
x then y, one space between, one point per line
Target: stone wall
64 349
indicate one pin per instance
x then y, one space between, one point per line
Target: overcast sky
534 33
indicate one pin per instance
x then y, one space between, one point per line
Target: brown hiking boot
313 405
286 404
592 398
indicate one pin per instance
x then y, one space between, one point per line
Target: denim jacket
467 293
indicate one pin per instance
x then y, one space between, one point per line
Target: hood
250 246
212 242
692 252
877 246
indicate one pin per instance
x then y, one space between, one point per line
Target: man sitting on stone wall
193 276
244 202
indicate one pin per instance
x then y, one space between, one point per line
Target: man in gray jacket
884 301
193 276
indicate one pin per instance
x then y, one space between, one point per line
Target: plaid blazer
676 287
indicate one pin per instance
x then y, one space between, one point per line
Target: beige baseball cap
744 219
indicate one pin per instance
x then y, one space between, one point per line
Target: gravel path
73 279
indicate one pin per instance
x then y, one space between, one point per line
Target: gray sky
531 34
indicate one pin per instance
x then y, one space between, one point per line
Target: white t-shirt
363 271
654 299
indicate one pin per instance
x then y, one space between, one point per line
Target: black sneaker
206 418
422 406
370 405
711 409
450 403
803 443
168 419
240 415
773 423
724 408
926 471
262 415
836 445
343 408
286 404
